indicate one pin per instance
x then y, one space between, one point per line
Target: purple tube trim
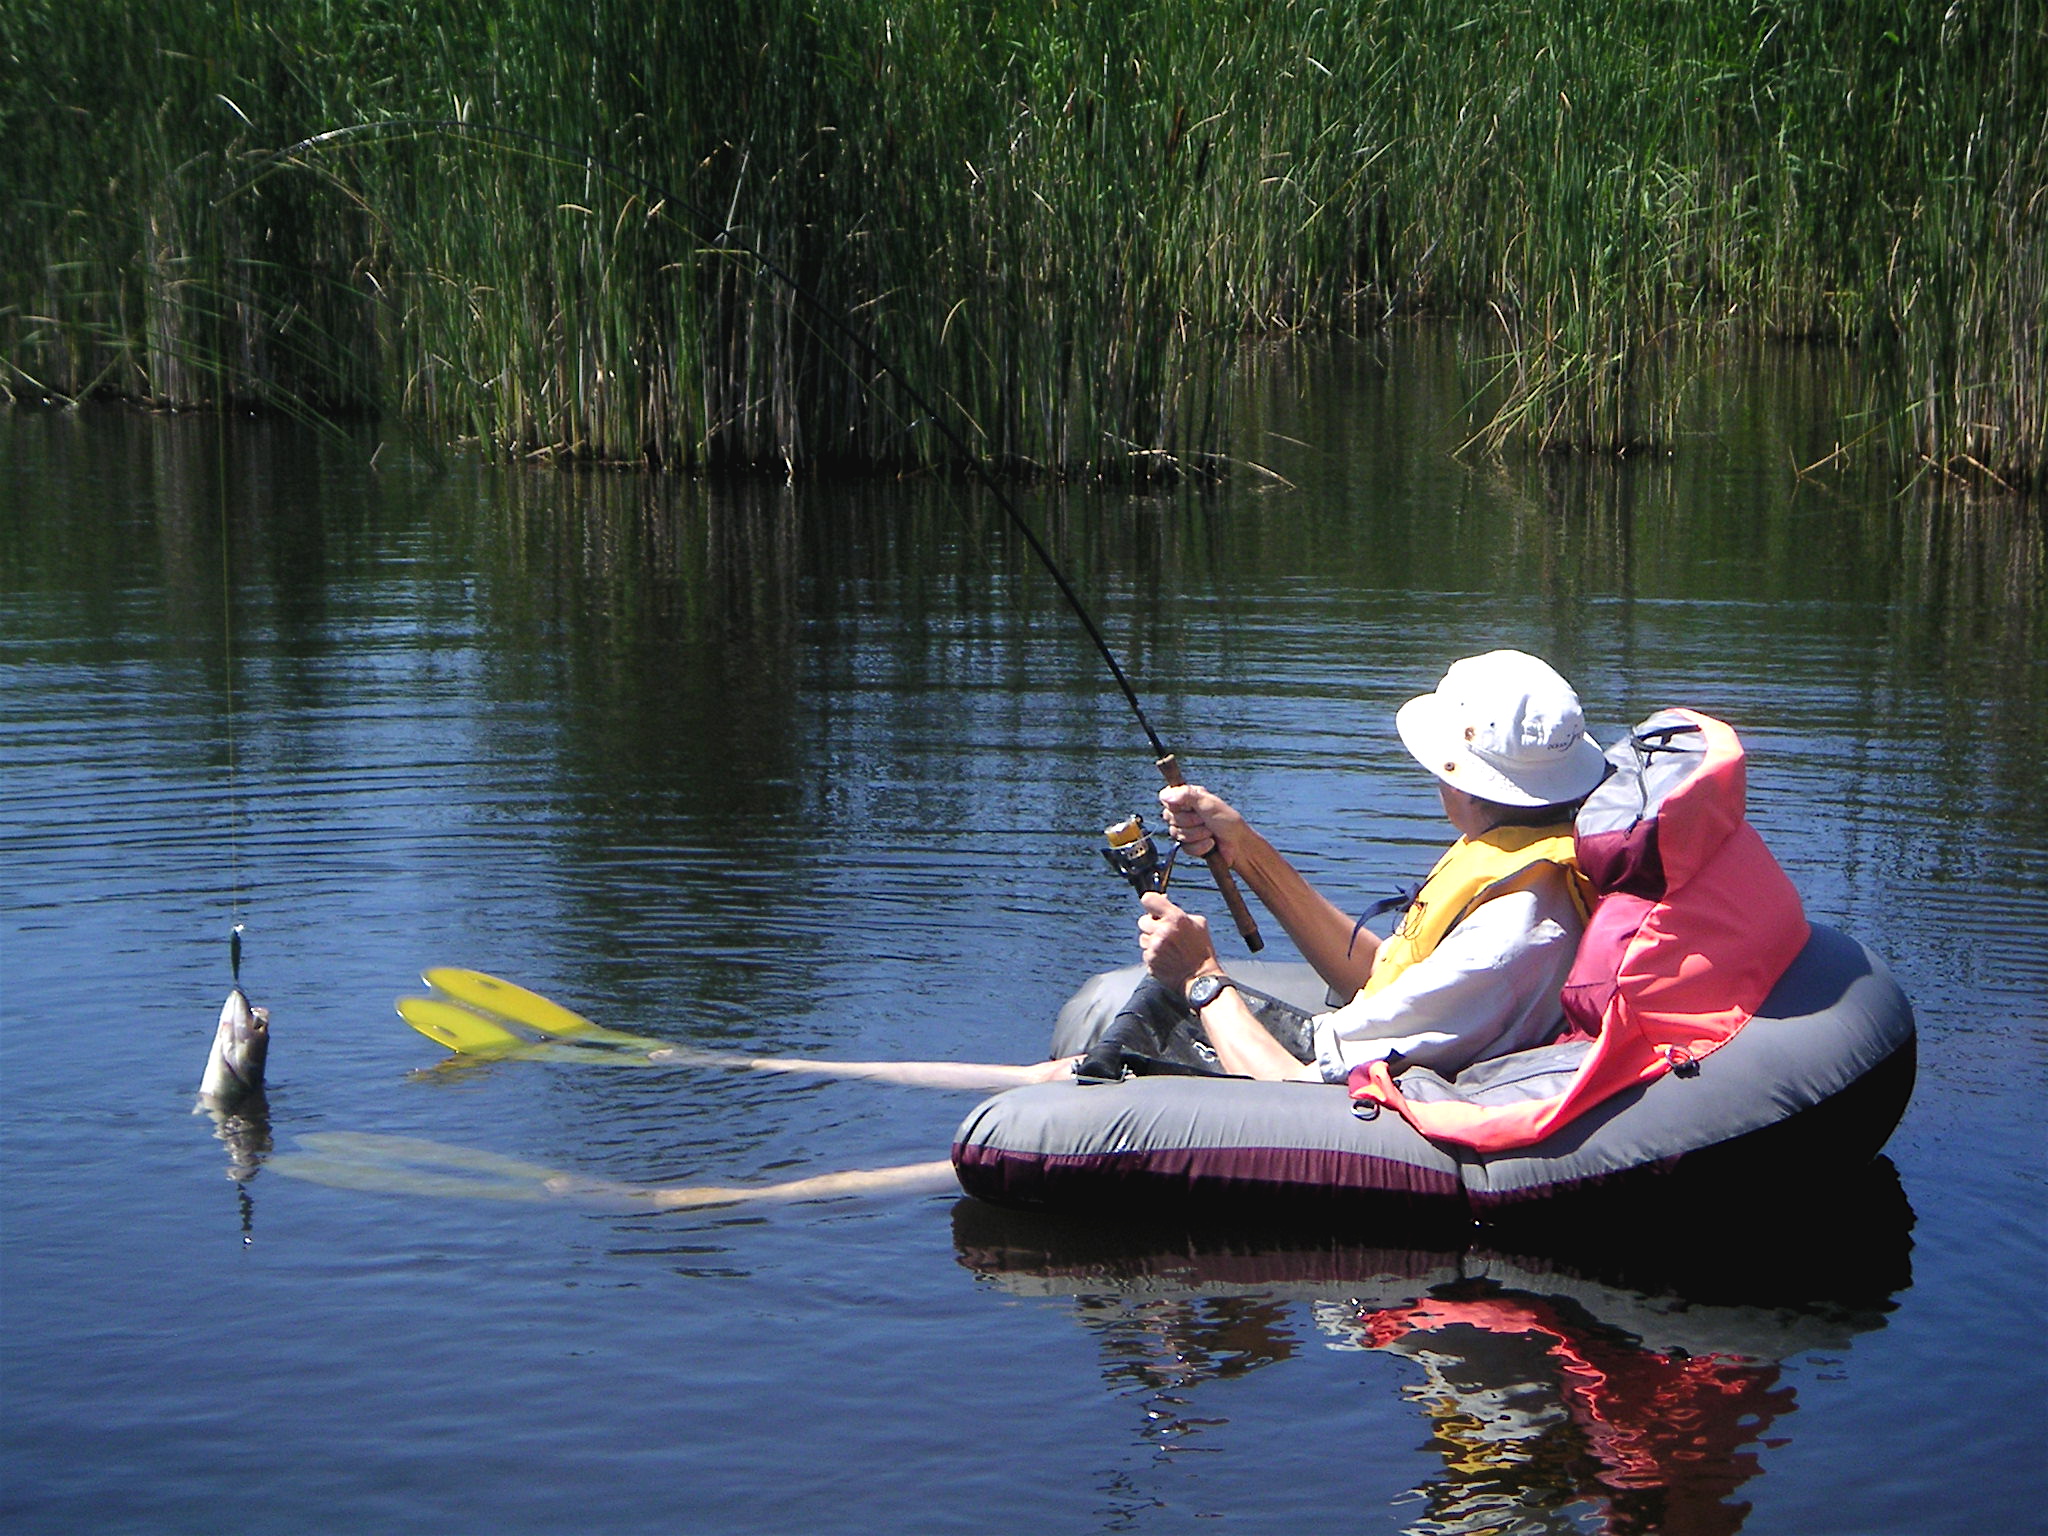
1008 1177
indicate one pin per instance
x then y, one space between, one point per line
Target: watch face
1204 990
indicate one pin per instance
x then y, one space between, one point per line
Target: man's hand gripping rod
1233 898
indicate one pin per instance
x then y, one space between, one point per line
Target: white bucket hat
1507 728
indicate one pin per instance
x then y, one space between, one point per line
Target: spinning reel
1135 857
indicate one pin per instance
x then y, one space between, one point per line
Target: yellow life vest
1476 869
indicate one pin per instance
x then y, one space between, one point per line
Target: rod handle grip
1226 882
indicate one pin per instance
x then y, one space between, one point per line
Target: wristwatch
1204 990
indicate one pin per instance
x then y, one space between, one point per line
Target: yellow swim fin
516 1005
459 1028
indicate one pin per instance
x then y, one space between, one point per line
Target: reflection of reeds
1058 219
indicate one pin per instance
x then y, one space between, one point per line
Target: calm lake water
821 769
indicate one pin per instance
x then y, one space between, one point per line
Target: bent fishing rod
1164 759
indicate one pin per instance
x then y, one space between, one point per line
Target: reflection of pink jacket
1695 925
1665 1435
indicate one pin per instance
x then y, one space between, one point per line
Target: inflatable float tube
1806 1093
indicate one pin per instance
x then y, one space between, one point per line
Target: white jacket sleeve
1489 987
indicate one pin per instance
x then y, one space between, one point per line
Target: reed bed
543 228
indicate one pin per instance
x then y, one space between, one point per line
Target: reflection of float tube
1778 1285
1531 1400
1640 1374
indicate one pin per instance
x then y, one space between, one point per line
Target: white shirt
1488 988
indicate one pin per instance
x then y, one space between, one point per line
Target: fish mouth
248 1034
243 1016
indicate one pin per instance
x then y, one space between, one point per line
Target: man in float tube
1475 966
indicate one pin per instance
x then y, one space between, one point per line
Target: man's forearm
1243 1045
1320 930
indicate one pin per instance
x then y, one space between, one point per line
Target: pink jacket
1695 924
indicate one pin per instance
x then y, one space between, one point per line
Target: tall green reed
1060 220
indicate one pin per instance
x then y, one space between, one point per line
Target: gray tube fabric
1836 1022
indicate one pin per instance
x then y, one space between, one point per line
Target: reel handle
1226 882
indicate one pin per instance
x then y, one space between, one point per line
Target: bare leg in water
921 1074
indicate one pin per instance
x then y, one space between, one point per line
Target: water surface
820 770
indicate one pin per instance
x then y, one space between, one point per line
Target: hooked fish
234 1068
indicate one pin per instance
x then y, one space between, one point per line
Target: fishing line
227 624
659 198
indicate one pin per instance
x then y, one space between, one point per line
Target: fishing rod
1164 758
